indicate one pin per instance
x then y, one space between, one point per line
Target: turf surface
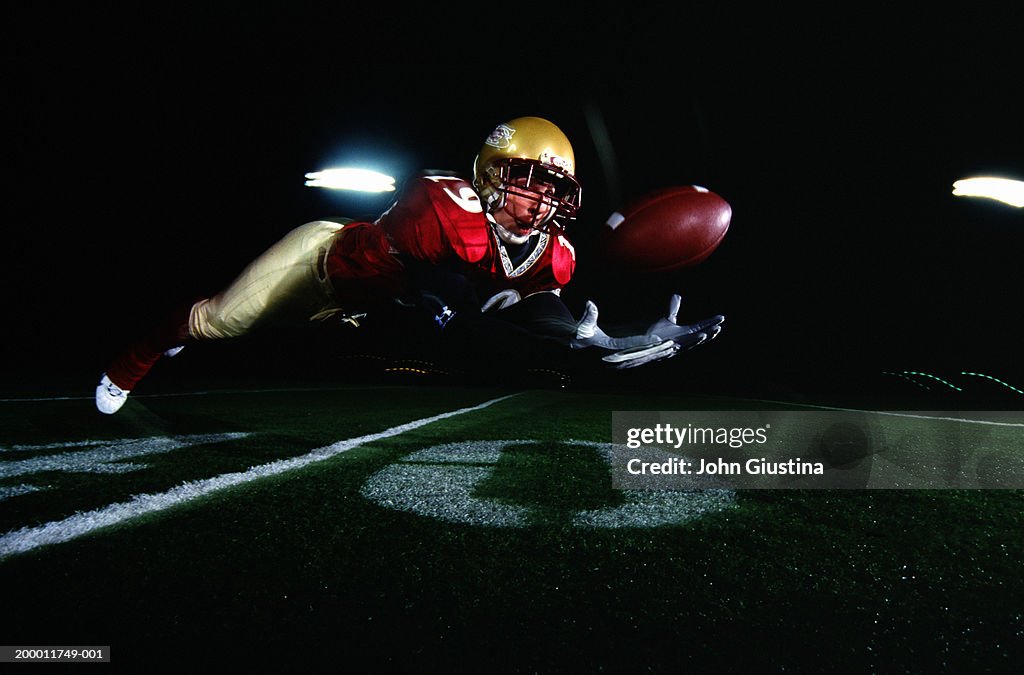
305 567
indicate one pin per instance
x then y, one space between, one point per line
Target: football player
483 257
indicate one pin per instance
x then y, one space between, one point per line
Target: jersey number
467 199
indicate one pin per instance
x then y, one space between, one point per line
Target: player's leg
288 282
132 364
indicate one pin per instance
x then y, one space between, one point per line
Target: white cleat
109 396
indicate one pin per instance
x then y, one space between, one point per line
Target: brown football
665 230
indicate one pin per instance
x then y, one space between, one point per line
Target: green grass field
402 527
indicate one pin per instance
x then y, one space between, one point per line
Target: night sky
153 152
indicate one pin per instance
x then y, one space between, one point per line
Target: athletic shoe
109 396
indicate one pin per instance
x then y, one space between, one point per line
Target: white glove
663 340
589 334
687 336
638 356
501 300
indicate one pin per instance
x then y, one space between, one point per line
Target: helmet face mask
529 159
556 191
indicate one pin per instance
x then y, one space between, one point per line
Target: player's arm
545 314
440 290
426 228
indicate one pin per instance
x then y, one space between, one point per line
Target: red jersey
440 220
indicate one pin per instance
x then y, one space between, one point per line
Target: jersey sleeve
563 260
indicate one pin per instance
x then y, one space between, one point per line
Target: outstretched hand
686 336
627 352
589 334
664 339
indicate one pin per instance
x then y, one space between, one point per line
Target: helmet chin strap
509 237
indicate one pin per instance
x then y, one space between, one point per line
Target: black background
153 151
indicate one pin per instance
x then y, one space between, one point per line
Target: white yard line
108 457
28 538
886 412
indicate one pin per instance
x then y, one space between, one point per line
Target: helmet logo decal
501 137
561 162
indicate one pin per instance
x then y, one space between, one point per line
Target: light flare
1004 190
360 180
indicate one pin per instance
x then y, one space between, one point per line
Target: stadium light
1002 189
362 180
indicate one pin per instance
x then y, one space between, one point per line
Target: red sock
135 361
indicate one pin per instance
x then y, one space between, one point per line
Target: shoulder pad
461 214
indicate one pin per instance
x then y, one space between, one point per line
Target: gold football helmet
532 158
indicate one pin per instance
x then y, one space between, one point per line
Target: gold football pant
287 283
